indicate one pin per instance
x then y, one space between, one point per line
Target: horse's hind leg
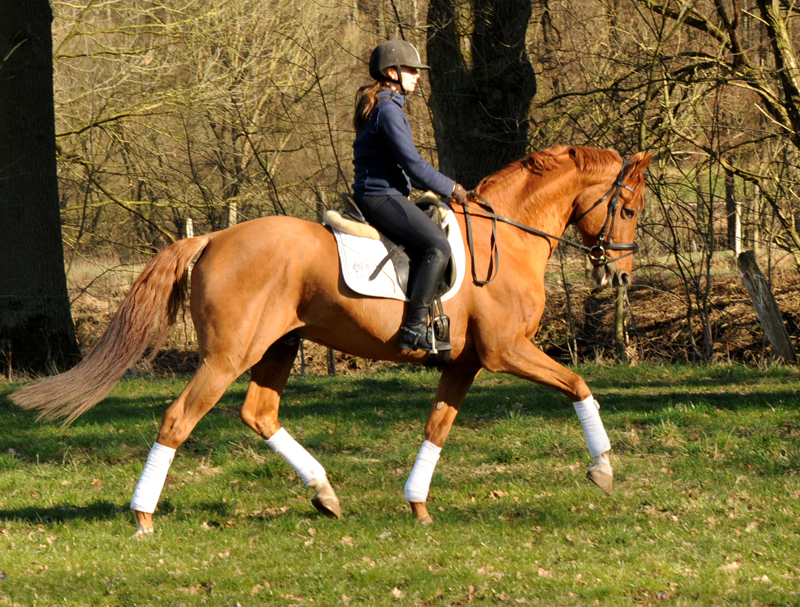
453 387
197 398
260 412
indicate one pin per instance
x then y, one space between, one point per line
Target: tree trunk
786 64
480 97
36 330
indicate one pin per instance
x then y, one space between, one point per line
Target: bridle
596 253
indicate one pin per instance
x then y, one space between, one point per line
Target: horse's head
606 214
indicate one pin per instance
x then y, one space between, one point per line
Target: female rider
387 164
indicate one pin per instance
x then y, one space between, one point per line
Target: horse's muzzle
621 279
607 274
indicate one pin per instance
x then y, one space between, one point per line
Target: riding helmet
394 53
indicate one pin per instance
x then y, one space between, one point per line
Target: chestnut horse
259 287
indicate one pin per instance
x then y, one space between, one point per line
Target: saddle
375 266
383 256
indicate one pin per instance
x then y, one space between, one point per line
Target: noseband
596 253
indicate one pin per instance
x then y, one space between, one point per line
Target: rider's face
410 78
409 75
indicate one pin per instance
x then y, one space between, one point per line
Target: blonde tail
141 323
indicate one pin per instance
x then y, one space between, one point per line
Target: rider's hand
460 194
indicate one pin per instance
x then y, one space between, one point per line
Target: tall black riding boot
414 332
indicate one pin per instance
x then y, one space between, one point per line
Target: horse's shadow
95 511
377 401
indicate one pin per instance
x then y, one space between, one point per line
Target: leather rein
596 253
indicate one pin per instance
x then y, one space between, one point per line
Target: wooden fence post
331 362
734 215
769 315
233 213
619 325
302 358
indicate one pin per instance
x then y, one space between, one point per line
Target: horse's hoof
601 473
325 500
420 511
603 480
144 524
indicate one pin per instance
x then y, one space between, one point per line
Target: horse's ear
640 161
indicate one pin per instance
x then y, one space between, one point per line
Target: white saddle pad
360 256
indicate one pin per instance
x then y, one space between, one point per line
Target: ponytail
366 99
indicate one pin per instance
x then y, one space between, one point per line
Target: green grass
705 509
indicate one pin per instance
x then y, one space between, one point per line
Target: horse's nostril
624 278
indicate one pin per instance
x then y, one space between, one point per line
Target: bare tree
36 331
482 84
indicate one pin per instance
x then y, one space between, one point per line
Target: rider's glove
460 194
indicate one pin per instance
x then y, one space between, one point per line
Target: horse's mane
588 160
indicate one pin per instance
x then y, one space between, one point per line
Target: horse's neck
544 205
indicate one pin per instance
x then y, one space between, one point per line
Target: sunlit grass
705 509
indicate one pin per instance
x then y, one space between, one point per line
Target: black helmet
394 53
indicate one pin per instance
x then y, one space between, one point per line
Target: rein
596 253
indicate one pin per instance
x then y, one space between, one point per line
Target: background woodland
176 117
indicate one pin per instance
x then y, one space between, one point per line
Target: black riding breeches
404 223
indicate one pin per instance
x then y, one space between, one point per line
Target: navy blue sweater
385 158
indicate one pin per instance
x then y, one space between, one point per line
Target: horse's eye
628 213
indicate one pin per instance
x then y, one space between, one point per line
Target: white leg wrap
152 480
596 437
419 481
308 469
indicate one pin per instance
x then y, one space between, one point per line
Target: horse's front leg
523 359
453 387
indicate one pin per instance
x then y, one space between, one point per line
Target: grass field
705 509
